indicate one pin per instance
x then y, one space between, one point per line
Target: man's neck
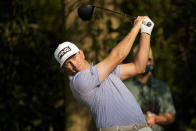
86 65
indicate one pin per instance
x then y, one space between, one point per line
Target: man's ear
82 54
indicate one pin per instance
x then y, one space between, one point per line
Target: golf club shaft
122 14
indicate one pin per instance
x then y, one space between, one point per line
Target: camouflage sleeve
167 101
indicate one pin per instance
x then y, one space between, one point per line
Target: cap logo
63 52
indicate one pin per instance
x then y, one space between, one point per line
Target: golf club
85 12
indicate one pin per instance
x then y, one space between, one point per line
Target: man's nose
73 63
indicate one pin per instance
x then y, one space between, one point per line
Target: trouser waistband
122 128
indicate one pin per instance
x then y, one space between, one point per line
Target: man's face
75 63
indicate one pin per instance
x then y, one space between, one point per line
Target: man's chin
75 71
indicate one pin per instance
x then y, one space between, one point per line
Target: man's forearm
124 46
165 119
141 57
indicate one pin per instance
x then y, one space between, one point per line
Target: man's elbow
118 56
140 70
173 117
170 118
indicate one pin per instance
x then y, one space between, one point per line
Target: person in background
153 96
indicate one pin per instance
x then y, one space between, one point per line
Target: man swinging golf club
100 88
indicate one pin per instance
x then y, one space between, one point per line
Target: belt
125 128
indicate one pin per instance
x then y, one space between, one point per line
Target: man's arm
162 119
141 58
168 116
119 52
138 65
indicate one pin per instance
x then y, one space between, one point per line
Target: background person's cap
64 51
136 49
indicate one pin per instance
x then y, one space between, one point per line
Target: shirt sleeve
116 71
167 100
86 81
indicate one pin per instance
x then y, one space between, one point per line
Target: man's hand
147 26
138 21
162 119
150 119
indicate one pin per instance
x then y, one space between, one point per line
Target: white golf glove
147 26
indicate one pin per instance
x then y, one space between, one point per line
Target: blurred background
35 94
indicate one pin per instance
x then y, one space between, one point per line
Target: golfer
100 88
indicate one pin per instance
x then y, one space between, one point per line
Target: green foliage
31 88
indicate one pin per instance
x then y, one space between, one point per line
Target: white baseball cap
64 51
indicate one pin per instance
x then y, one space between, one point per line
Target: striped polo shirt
109 102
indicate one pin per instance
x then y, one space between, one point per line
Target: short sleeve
116 71
167 100
86 81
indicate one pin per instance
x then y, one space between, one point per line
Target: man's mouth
77 68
